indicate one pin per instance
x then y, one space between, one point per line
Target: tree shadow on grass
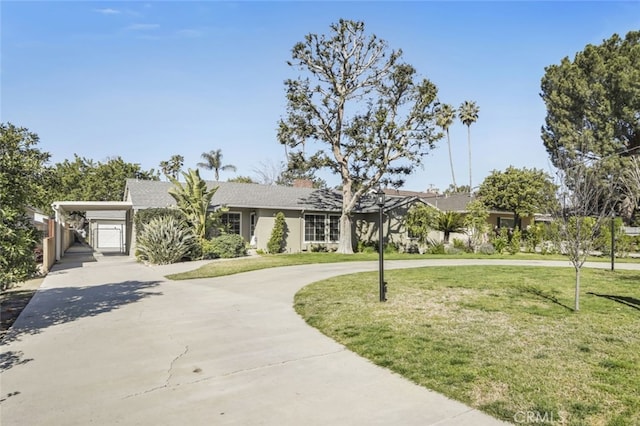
54 306
546 296
632 302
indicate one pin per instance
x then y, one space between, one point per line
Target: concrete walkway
113 342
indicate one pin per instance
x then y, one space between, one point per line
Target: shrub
459 244
142 217
514 242
486 248
453 250
277 242
164 240
391 247
318 248
226 246
500 241
436 248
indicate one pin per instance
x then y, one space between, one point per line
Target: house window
317 227
314 227
505 222
334 228
231 222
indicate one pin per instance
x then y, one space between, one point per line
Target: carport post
58 231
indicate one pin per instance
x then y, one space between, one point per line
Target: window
317 227
231 222
505 222
314 227
334 228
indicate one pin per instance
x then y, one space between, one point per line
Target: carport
62 208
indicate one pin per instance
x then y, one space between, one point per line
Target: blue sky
146 80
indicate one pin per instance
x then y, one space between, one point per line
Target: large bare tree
362 108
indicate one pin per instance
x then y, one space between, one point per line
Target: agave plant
164 240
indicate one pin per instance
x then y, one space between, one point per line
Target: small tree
586 203
420 221
475 221
277 242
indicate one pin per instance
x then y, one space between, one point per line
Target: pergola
61 208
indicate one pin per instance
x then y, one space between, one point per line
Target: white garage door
110 236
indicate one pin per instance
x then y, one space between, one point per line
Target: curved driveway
114 342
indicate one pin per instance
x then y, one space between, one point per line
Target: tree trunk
345 246
453 175
469 145
576 307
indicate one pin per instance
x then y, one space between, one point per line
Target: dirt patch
14 300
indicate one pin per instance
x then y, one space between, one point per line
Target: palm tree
468 114
449 222
445 114
213 161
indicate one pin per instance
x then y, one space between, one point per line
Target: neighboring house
312 215
107 230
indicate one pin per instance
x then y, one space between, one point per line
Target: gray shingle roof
146 194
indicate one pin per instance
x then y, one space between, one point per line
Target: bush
277 242
500 241
391 247
143 217
461 245
514 242
225 246
454 250
486 248
318 248
164 240
436 248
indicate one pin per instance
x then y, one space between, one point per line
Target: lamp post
380 199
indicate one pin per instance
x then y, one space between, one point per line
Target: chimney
302 183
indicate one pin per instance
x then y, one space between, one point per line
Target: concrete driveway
114 342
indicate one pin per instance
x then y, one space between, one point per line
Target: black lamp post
383 286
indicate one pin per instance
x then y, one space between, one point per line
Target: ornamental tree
364 112
520 191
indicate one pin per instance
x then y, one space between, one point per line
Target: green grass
501 339
229 267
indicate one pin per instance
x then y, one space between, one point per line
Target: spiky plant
164 240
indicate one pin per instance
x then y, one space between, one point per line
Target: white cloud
108 11
142 27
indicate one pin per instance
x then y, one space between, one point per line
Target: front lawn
500 339
235 266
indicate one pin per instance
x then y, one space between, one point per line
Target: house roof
453 202
148 194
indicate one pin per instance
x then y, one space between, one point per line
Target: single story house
312 215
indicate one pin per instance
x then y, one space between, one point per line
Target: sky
146 80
